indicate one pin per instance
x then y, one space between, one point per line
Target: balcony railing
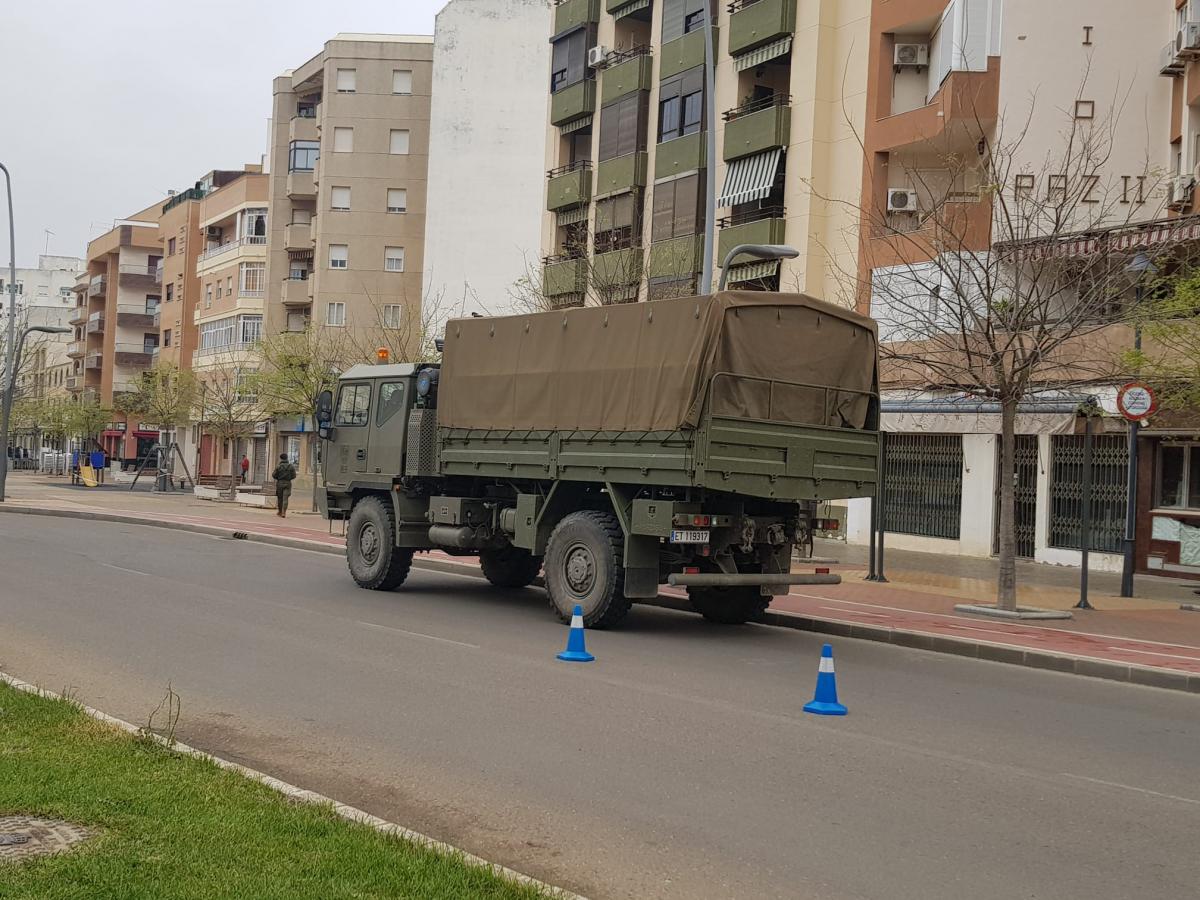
570 167
232 245
137 269
158 273
74 382
738 5
239 347
754 106
93 361
616 57
97 286
139 349
95 323
751 215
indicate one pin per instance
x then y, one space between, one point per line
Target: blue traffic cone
825 702
576 652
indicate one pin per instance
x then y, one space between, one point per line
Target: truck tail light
691 570
701 521
822 570
705 550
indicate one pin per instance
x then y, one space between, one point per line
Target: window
249 329
681 105
302 216
339 256
399 141
568 64
297 271
343 140
170 292
303 155
218 288
618 221
392 315
393 259
217 335
253 225
401 81
170 246
391 401
335 313
353 405
346 79
253 279
306 110
676 210
681 17
167 337
293 450
149 343
245 386
208 292
397 200
152 301
339 198
1178 476
623 126
229 285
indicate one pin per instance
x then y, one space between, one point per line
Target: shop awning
760 55
575 124
752 271
750 178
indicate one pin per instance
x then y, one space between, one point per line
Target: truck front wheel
376 563
728 606
585 566
510 567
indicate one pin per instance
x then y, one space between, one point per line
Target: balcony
570 14
301 184
564 275
133 355
252 240
75 349
95 323
966 103
74 383
297 291
303 128
94 361
621 173
98 286
759 226
626 73
676 258
90 396
297 236
753 23
158 273
685 52
572 102
617 268
683 154
79 315
135 316
620 9
757 126
569 185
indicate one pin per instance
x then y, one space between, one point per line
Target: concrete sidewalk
1147 639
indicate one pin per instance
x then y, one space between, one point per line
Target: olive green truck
614 449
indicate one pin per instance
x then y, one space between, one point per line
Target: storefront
1169 497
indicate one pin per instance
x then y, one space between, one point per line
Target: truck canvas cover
652 366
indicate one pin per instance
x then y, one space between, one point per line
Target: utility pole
710 157
1139 268
10 376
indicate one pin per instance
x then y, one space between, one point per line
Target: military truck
614 448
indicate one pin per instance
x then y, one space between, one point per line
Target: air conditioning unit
1180 191
912 55
213 231
1169 62
901 200
598 57
1187 41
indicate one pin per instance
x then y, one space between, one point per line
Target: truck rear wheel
376 563
728 606
510 567
585 566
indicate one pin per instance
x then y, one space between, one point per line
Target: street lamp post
759 251
10 389
1139 267
10 344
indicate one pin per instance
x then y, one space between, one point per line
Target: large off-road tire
376 563
728 606
510 567
584 565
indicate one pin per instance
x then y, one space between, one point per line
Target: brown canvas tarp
648 366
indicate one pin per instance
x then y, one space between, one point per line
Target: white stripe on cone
576 621
826 664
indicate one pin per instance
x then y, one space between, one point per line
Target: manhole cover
25 836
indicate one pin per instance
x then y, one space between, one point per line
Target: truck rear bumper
719 579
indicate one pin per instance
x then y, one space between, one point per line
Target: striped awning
1152 235
760 55
630 8
764 268
750 178
571 216
300 254
576 124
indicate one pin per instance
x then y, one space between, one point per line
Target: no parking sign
1136 401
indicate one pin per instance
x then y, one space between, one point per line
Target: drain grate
22 837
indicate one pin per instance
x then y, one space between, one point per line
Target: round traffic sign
1136 401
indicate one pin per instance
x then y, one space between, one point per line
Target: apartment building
116 324
1053 93
348 161
486 140
45 296
626 146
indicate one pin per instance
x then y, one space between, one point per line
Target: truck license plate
689 537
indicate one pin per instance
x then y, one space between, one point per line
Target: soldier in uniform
283 476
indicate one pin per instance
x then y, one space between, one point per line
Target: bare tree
228 404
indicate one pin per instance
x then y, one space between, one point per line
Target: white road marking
431 637
1130 787
134 571
1195 659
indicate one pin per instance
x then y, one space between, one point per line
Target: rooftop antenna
48 234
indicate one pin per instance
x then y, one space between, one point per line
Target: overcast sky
107 104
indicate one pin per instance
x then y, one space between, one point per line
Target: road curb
350 813
1087 666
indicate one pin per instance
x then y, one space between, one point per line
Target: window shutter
400 141
340 198
687 201
610 129
401 81
346 80
397 199
663 214
343 140
577 56
627 125
672 23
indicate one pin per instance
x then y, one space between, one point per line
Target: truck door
385 452
351 417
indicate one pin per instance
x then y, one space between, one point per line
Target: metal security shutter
1110 467
760 55
923 484
750 178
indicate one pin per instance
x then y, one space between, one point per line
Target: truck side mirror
324 414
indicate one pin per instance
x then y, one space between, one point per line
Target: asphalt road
677 765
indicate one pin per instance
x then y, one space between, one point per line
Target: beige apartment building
348 162
626 146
